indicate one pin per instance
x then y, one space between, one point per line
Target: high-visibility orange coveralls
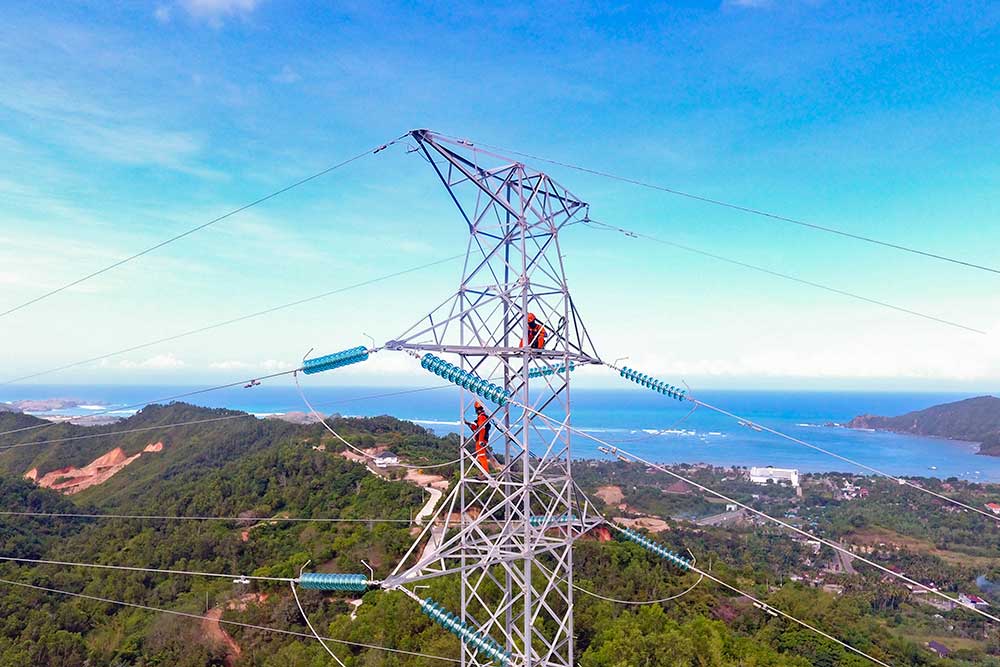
536 333
481 431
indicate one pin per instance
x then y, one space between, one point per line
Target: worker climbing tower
506 532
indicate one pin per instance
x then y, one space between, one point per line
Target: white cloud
159 362
92 126
229 365
266 365
162 14
213 11
287 75
882 357
748 4
138 146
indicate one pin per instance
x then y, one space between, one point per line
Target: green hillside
973 419
264 468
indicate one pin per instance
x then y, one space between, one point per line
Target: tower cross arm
494 351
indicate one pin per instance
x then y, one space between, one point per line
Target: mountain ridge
972 419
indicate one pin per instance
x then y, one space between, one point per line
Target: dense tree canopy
266 468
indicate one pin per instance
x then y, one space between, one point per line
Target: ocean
642 422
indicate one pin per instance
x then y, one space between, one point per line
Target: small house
386 459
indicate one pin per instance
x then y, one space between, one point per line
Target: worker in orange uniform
481 432
536 333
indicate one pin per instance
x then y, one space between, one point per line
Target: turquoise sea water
640 421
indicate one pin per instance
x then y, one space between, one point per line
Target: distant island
974 420
42 405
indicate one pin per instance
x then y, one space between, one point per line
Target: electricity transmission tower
508 533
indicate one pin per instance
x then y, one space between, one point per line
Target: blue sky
124 123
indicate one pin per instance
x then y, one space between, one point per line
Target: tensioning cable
725 204
224 621
234 320
659 386
785 276
242 415
177 237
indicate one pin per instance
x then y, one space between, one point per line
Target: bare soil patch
612 495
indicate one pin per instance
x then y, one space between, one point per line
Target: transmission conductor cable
198 228
234 320
161 400
864 466
785 276
238 624
309 624
703 574
625 455
143 429
729 205
358 450
149 570
615 451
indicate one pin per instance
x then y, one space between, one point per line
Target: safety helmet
478 405
531 317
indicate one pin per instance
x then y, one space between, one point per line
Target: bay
642 422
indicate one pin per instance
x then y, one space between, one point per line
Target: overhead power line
149 570
142 429
155 517
864 466
158 400
785 276
305 617
224 621
234 320
624 455
198 228
319 418
614 450
245 415
766 607
636 603
729 205
692 566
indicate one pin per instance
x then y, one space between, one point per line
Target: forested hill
239 466
973 419
195 441
222 464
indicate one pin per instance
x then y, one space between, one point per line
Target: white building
775 476
973 601
386 459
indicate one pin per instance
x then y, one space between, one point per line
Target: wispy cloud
287 75
159 362
139 145
269 365
748 4
214 12
84 124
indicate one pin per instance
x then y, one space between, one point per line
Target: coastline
638 421
974 446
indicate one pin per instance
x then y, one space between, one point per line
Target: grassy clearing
875 536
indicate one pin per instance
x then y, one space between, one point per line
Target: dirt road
213 630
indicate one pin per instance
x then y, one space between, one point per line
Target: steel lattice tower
508 534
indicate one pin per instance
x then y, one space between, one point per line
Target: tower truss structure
508 532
